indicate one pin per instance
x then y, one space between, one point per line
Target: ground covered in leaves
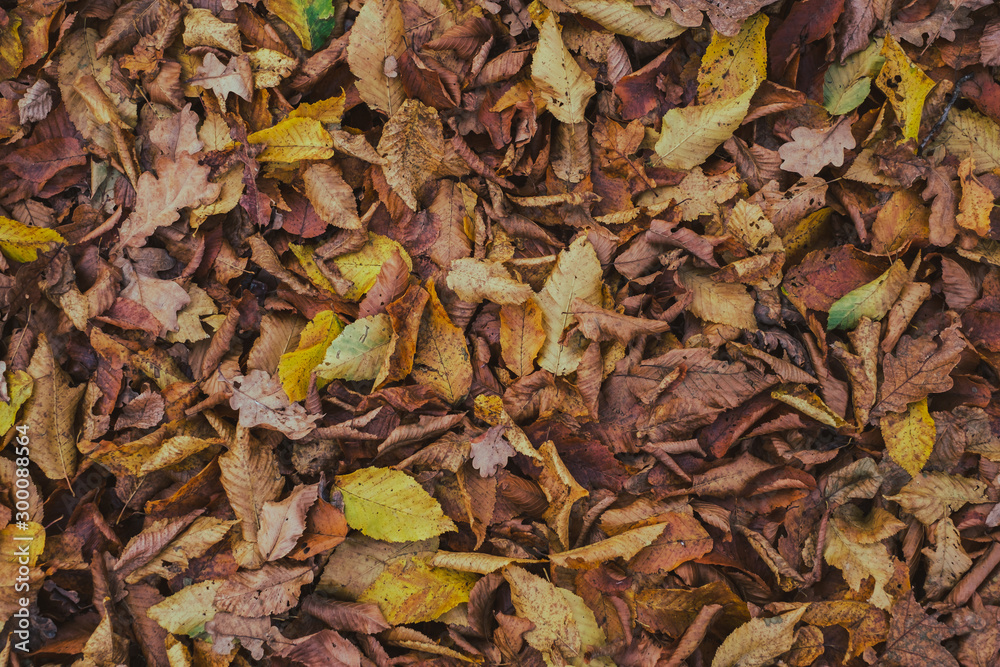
611 332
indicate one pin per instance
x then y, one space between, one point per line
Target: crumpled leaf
759 641
933 496
261 401
412 146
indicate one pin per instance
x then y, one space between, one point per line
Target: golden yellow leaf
295 368
294 139
442 359
969 134
19 386
857 560
625 18
362 266
906 86
360 351
50 414
577 275
186 611
330 110
691 134
733 65
808 403
909 436
411 591
377 40
977 201
759 641
539 601
932 496
312 21
21 242
11 49
623 545
389 505
18 542
412 146
564 86
270 67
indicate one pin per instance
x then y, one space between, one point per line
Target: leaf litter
552 333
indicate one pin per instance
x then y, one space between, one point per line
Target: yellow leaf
977 201
362 266
540 602
759 641
724 303
294 139
577 275
360 351
691 134
474 280
411 591
295 368
858 561
50 414
442 360
932 496
186 611
564 86
909 436
905 85
477 563
808 403
389 505
330 110
968 134
697 194
948 559
22 242
732 66
623 545
18 542
625 18
376 37
231 182
11 49
270 68
19 386
412 146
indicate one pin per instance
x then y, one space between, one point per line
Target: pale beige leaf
261 401
759 642
933 496
282 523
377 36
811 150
564 86
474 280
577 275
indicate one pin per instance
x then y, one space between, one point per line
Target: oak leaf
235 77
261 401
811 150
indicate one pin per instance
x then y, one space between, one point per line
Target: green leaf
389 505
360 351
846 86
311 20
872 300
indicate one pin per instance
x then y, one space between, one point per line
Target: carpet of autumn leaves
579 332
